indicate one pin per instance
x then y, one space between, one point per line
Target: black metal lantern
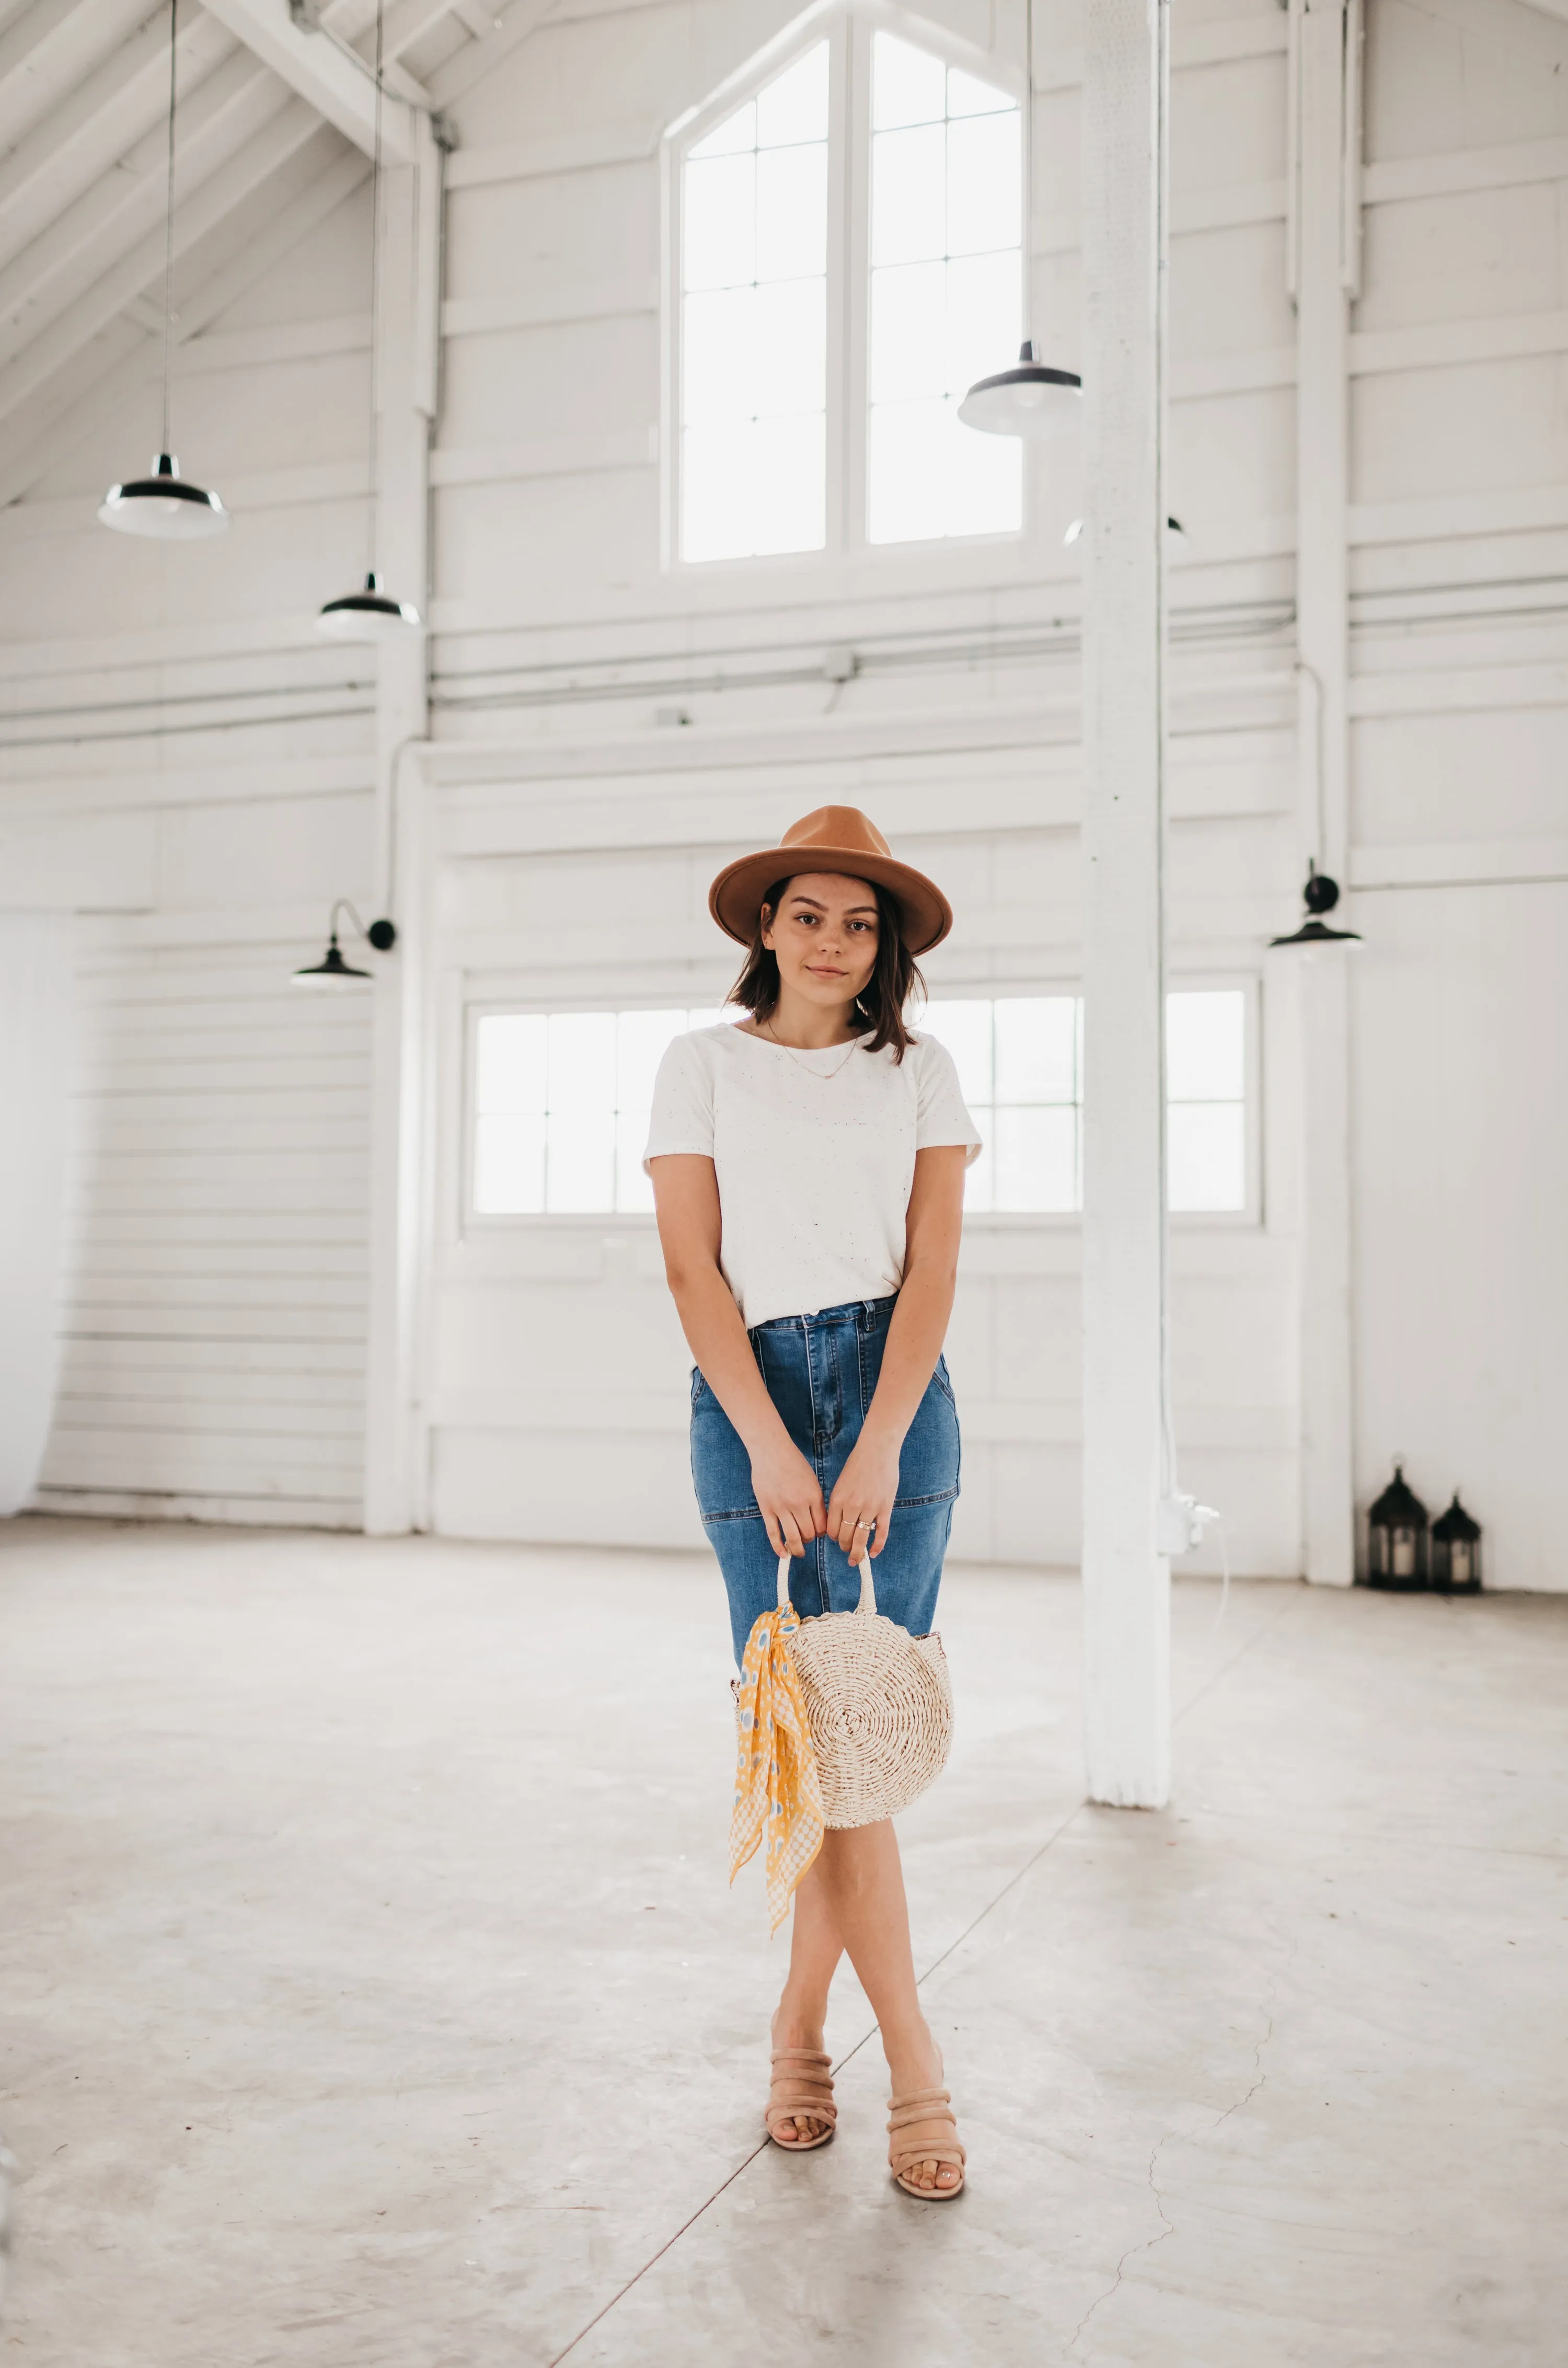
1456 1550
1397 1537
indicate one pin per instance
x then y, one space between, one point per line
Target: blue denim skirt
821 1372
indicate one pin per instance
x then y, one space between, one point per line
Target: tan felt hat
834 838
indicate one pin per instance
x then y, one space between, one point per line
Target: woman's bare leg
815 1952
861 1878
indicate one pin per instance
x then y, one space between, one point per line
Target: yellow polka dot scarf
776 1773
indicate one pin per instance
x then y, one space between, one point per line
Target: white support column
1126 1581
406 379
1325 153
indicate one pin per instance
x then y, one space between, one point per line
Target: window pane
754 328
720 377
730 1012
634 1190
930 477
1037 1160
908 332
906 492
719 219
790 349
509 1063
908 85
582 1063
789 494
1205 1045
580 1160
983 194
965 1030
1207 1144
909 176
715 486
983 324
736 131
968 97
1036 1048
509 1165
794 106
791 213
642 1039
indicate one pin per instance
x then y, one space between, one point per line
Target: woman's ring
862 1523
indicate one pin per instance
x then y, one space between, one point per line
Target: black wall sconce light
332 971
1320 896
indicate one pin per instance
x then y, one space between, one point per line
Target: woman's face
825 935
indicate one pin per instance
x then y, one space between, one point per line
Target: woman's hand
787 1495
867 1487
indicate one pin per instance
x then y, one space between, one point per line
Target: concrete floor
376 2000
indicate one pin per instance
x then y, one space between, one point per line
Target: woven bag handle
868 1603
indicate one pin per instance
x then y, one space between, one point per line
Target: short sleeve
940 1115
682 1115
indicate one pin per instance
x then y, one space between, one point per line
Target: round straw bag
880 1703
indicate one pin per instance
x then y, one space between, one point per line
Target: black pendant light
373 614
331 973
1320 896
1028 400
164 505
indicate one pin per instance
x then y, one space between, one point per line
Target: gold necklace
826 1077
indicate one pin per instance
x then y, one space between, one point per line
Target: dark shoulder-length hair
881 1006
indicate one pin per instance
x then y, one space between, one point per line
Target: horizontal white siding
213 1331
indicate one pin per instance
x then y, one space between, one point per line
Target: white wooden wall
202 860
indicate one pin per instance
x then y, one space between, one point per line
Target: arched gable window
846 258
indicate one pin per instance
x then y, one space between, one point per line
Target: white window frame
475 1224
848 26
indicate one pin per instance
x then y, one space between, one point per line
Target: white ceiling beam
472 65
45 53
128 203
409 21
137 272
339 88
103 118
57 432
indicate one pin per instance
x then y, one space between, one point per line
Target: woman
808 1169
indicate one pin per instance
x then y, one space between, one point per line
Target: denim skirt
821 1372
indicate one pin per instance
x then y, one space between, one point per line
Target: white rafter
339 87
137 271
125 206
137 335
45 52
469 65
117 105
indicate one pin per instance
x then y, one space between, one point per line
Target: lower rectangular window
560 1103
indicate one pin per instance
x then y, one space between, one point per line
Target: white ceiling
83 94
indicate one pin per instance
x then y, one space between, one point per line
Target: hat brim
735 898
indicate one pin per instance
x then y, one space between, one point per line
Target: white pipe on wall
36 1031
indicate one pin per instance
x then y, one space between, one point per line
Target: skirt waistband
865 1314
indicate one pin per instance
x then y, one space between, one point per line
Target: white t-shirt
815 1157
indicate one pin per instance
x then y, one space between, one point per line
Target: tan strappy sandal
924 2105
807 2080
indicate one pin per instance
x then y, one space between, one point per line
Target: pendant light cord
373 537
169 230
1027 163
